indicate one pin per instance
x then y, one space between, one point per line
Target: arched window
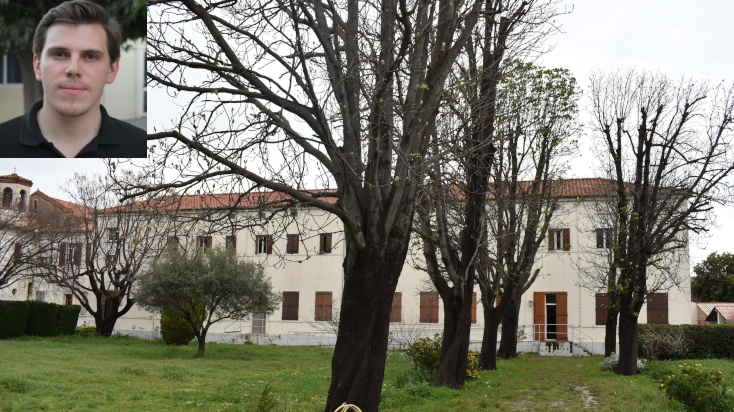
7 197
23 200
35 206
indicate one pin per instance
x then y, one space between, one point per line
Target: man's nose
73 68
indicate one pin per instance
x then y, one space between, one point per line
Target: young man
76 52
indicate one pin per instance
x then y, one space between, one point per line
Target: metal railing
561 332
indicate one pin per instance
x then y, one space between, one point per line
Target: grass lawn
127 374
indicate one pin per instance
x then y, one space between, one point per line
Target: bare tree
290 96
100 247
667 146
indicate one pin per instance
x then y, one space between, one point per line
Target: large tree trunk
508 340
358 364
488 357
202 344
105 327
627 342
610 339
455 345
32 88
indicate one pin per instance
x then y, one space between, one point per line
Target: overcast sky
676 37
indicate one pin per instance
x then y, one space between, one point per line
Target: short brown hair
79 12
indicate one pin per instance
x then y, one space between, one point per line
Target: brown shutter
424 307
550 239
292 246
566 239
652 313
663 308
270 244
323 306
318 310
562 315
474 307
290 306
16 253
599 238
602 308
77 254
207 243
397 307
327 306
327 243
231 242
62 254
539 315
433 308
657 308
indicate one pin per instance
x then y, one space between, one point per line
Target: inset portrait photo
72 79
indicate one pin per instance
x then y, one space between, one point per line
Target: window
603 238
292 246
550 316
68 299
30 290
474 307
264 244
17 253
559 239
9 70
113 234
70 254
323 306
290 306
325 243
657 308
172 242
109 260
35 206
602 308
230 242
23 200
40 296
7 197
204 243
397 307
429 307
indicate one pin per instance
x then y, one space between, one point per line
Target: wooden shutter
68 299
397 307
602 308
539 315
429 307
323 306
433 307
657 308
599 238
231 242
62 254
77 254
566 239
327 243
292 246
474 307
424 307
562 315
550 239
269 239
290 306
17 253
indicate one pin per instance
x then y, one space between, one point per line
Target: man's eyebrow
64 49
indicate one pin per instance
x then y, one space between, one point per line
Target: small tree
206 288
715 278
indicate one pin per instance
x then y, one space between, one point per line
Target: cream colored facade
308 272
123 99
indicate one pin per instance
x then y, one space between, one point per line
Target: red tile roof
15 179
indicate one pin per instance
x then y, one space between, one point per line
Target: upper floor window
559 239
113 234
204 243
264 244
230 242
9 70
325 243
292 246
603 238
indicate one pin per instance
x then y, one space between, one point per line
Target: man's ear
37 67
114 67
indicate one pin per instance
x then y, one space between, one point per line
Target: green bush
42 318
424 355
700 390
13 318
85 331
701 341
175 330
67 319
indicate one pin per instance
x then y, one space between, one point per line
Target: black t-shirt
21 138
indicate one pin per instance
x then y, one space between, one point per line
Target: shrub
706 341
424 355
42 318
175 330
665 344
85 331
695 387
67 318
13 318
610 364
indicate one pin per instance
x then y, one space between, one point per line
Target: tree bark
488 357
202 345
105 328
627 343
358 363
32 88
508 340
455 344
610 339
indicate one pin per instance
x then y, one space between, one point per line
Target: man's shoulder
133 140
128 130
10 129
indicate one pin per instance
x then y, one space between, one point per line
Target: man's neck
69 135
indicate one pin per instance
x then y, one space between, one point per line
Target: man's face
74 66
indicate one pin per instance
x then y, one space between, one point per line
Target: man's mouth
72 89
